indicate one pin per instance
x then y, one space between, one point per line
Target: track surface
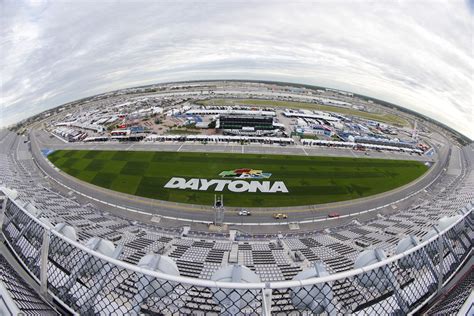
41 140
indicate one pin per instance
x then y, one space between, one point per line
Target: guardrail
85 281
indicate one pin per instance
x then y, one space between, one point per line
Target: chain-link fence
89 282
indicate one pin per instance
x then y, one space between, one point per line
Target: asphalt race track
133 206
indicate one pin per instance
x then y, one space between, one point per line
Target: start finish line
231 185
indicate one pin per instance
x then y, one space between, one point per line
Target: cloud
408 53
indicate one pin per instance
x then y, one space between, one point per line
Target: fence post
2 213
4 202
44 263
441 260
266 301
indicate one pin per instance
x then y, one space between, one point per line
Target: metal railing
88 282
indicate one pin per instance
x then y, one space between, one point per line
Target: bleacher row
199 255
26 299
452 302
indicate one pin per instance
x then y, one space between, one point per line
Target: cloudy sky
418 54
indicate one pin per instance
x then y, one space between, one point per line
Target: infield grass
310 180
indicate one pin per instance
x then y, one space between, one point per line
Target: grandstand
456 297
273 257
26 300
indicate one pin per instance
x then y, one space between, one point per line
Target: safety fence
89 279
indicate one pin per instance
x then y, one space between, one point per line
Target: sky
417 54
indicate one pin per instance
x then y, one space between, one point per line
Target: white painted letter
260 186
221 184
278 186
238 186
192 184
205 184
175 183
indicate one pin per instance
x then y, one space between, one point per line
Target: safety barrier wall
88 282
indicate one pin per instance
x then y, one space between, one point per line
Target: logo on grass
219 185
245 173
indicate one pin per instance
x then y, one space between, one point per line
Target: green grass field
385 118
310 180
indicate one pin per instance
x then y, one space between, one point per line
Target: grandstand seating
451 303
25 298
200 254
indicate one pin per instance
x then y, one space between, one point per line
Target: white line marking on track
304 150
180 147
64 141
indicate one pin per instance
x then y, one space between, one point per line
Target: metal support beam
4 208
266 302
441 261
391 278
44 263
